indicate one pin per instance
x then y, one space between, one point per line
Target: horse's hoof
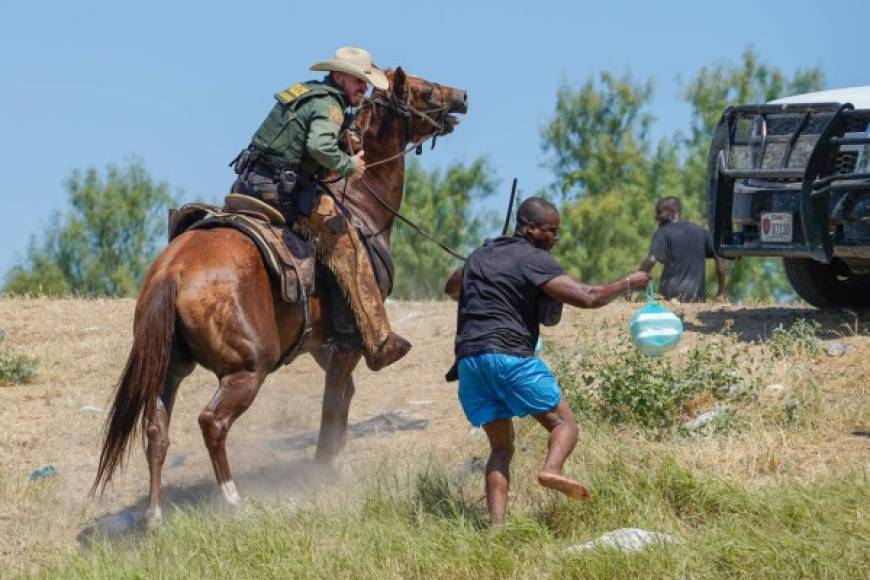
228 500
153 520
231 496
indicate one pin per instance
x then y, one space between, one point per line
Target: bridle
406 111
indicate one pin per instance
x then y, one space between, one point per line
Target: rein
411 224
405 110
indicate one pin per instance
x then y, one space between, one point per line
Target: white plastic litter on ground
624 540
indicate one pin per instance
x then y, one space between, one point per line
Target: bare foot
571 488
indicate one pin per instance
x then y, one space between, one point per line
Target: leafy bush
799 340
641 389
623 386
15 369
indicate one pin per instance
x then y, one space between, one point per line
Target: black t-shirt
498 305
682 248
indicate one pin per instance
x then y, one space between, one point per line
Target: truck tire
828 285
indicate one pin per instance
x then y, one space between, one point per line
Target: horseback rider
296 146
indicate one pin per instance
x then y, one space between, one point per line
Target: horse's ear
399 82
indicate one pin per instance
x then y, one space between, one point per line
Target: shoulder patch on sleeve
292 93
336 114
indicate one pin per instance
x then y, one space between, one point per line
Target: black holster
305 189
272 180
287 182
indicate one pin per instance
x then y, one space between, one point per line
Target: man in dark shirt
682 247
504 291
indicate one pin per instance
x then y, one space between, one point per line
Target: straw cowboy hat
357 63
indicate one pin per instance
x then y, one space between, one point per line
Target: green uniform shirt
303 127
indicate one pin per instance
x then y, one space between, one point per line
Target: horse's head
388 125
426 109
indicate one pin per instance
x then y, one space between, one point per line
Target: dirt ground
81 346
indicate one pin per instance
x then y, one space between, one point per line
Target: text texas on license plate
776 227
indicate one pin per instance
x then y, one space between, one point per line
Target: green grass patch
798 340
15 369
421 526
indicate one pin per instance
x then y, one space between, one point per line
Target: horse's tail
142 380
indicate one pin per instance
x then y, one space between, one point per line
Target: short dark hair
668 208
535 209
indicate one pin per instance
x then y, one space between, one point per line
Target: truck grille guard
772 157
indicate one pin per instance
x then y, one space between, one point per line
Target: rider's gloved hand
359 167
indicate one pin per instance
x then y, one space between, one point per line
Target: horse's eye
427 95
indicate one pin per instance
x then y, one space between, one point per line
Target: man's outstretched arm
570 291
647 265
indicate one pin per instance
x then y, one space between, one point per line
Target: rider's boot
391 350
345 255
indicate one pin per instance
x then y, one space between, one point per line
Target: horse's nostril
460 103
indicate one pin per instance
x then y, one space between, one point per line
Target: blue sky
182 85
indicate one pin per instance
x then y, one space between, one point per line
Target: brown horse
207 299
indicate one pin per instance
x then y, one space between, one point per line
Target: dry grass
832 394
81 346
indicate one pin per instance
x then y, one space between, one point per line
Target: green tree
441 204
608 174
598 136
709 93
102 245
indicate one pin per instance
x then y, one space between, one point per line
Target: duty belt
274 162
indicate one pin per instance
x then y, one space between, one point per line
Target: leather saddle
289 259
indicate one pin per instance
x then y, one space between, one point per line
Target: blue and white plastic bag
654 329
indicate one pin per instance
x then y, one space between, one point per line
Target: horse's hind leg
157 432
336 402
234 395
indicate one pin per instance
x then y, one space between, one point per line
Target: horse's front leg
336 402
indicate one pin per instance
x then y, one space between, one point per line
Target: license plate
776 227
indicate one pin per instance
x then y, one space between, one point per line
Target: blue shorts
501 386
